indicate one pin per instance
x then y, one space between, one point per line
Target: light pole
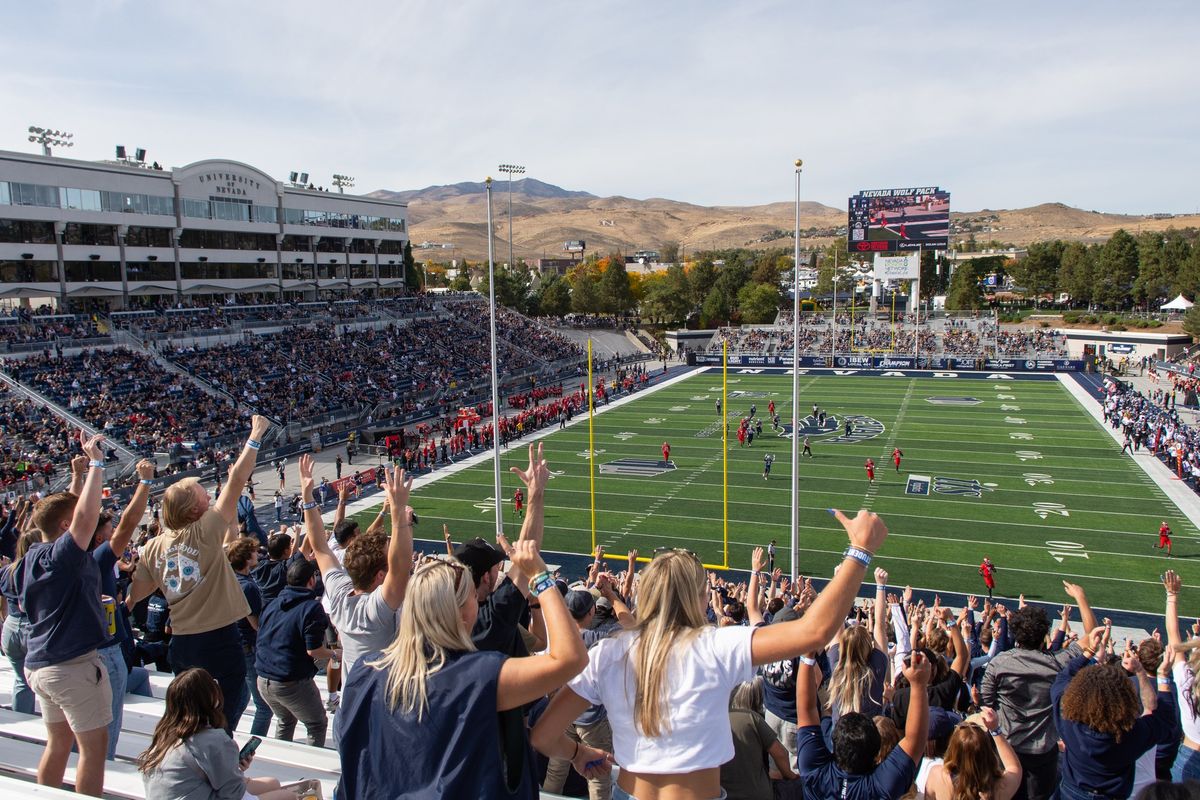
795 537
495 384
47 138
510 170
342 182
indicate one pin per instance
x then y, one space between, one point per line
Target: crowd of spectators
691 683
129 396
35 445
43 325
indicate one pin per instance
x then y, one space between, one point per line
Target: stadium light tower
342 182
510 169
48 137
795 532
495 382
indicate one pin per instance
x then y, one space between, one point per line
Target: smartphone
248 748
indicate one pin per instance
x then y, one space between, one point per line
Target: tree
770 266
1116 270
1075 272
1037 273
414 276
616 294
964 293
554 297
701 278
933 274
585 288
669 252
758 303
716 308
1176 253
1191 321
1154 277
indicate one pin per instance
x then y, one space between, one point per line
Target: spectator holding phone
190 754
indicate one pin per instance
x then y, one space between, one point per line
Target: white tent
1178 304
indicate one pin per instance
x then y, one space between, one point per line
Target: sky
1005 105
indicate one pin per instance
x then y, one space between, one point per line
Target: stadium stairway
23 736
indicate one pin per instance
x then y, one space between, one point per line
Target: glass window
5 197
265 214
196 208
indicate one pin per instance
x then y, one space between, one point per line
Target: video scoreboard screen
894 220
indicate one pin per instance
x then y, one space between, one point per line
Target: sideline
1178 492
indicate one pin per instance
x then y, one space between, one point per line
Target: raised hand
972 602
259 425
91 445
1172 582
918 671
881 576
537 475
79 464
1075 591
525 556
399 487
145 469
866 530
757 559
306 472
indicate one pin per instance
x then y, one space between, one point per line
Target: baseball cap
479 554
942 722
579 603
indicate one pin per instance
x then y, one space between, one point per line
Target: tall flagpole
495 381
795 546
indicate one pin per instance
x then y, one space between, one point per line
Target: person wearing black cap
590 728
502 602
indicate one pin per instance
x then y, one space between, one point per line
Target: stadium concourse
912 685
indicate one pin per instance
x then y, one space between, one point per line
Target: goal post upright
591 442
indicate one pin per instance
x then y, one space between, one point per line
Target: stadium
695 505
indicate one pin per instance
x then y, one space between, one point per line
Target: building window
90 271
28 271
137 236
150 270
99 235
26 231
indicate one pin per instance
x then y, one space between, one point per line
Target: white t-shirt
364 622
1184 678
701 674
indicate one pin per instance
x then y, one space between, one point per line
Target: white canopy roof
1178 304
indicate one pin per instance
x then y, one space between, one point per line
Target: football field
1009 469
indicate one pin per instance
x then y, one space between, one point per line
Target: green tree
758 303
1116 270
1191 321
933 274
1075 272
1037 273
964 293
585 290
716 308
1176 253
616 295
701 278
461 282
1155 275
554 297
414 276
668 252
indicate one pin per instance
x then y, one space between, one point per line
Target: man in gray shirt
364 597
1017 684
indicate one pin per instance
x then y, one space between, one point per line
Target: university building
114 233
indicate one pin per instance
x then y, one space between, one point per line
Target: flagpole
795 537
495 381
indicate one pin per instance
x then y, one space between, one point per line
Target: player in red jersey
988 570
666 451
741 435
897 454
1164 538
771 409
519 502
870 465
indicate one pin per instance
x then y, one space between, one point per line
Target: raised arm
446 536
1172 583
535 479
340 514
753 612
916 724
87 509
316 540
400 546
135 510
79 469
385 513
825 617
881 610
807 712
243 468
1085 609
523 680
630 571
621 611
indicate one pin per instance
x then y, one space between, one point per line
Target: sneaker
331 705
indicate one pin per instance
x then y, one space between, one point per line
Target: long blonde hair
851 680
179 504
1191 650
430 626
671 592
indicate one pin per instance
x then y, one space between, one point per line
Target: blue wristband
146 482
96 463
309 506
253 444
858 554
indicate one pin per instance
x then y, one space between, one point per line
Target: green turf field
1023 476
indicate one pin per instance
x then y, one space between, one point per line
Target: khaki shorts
76 691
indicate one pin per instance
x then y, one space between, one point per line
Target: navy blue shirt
289 627
254 600
8 588
822 777
158 617
59 586
459 747
271 577
106 562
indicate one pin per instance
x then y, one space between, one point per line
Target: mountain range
449 222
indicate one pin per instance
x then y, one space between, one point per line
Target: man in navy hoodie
291 635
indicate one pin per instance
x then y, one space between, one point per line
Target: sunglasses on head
659 551
459 569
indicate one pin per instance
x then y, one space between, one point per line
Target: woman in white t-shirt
666 683
1186 662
